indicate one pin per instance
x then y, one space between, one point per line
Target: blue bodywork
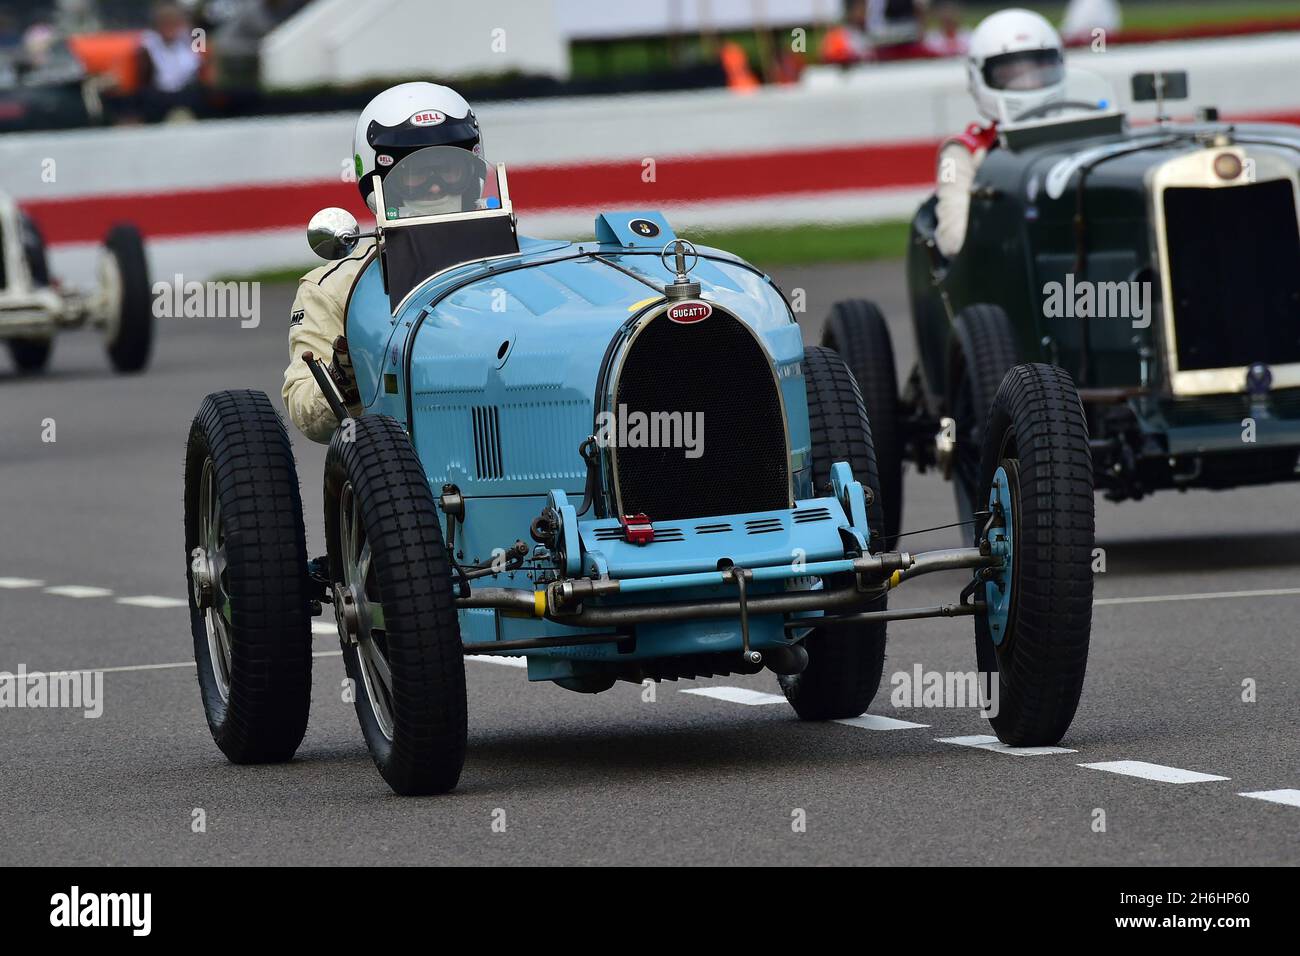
522 338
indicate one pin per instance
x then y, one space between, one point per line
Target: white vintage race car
33 307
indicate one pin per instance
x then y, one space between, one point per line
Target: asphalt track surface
685 779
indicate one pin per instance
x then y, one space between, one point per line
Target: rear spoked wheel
246 553
845 663
985 350
1036 479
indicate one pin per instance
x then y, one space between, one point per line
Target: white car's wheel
124 288
30 355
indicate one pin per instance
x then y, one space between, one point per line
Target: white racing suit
959 158
315 322
317 319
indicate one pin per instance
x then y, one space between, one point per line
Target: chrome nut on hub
201 578
945 446
345 613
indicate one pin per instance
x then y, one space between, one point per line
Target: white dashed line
324 629
78 591
128 668
1152 771
736 695
986 742
1201 596
152 600
12 583
1290 798
876 722
511 661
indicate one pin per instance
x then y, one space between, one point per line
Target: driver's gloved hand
340 369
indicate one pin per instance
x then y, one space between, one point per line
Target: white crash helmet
405 118
1015 64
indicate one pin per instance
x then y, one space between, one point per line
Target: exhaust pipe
787 660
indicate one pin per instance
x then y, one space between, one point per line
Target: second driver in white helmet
1015 64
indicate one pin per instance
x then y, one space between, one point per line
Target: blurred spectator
38 41
76 16
894 28
237 41
947 37
1082 17
846 42
169 64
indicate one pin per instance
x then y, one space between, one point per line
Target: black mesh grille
1232 264
487 441
715 369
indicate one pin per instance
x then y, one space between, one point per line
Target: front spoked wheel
1036 478
394 606
360 616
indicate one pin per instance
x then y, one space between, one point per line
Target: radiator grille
716 372
1232 264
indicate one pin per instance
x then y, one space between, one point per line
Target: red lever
637 529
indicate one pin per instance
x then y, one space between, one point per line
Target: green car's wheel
394 606
247 555
844 663
984 348
1036 476
857 330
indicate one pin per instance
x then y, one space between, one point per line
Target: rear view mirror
333 233
1148 87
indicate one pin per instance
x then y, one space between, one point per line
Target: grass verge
766 248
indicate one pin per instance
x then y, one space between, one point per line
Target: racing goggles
1024 70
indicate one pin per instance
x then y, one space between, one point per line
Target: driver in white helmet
394 124
1014 65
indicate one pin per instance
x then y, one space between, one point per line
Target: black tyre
1037 641
393 597
249 601
33 243
857 330
130 331
985 349
844 663
31 355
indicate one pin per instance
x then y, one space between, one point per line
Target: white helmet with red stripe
405 118
1015 64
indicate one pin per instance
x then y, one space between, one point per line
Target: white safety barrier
227 197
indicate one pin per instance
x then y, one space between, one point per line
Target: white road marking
1202 596
324 629
78 591
509 661
877 722
1290 798
126 668
152 600
736 695
1152 771
12 583
987 742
